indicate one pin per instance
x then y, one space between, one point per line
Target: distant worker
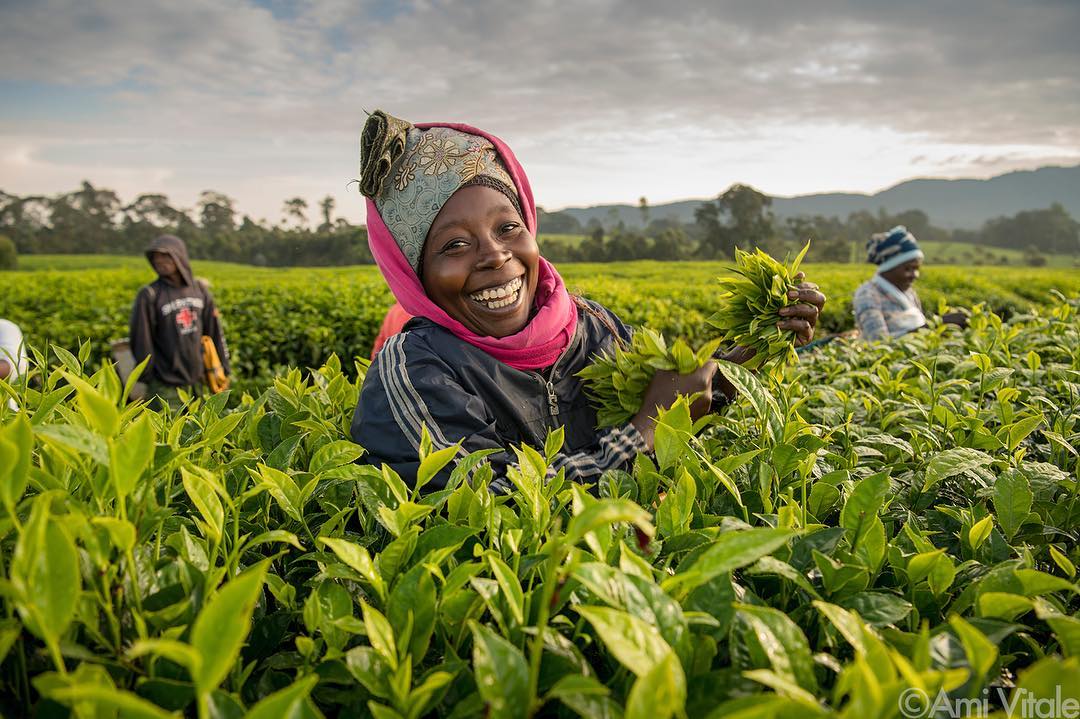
395 319
170 317
12 355
886 306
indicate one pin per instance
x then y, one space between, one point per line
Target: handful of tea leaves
751 302
616 380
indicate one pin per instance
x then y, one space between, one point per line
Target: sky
602 101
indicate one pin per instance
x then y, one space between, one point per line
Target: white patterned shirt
883 311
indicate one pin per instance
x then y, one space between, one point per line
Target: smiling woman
480 262
886 305
492 355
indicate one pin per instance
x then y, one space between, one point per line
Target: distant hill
951 204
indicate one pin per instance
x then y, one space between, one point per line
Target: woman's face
480 262
904 276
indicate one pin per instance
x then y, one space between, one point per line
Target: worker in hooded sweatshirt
168 321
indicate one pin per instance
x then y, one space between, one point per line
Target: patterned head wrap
540 343
892 249
410 173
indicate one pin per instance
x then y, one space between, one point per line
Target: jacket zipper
553 399
549 382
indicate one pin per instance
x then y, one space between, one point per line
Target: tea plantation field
887 531
276 318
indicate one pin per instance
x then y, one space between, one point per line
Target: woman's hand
802 317
665 388
955 318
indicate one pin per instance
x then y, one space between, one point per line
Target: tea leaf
359 559
606 512
952 462
502 675
863 505
1063 562
659 693
16 445
222 626
45 572
334 454
981 652
124 703
730 551
637 645
782 643
380 634
1012 502
130 455
289 702
204 497
411 611
510 586
100 412
433 464
121 532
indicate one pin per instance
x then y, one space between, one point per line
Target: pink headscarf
547 334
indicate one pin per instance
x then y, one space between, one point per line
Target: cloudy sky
602 100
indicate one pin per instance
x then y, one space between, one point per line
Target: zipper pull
553 399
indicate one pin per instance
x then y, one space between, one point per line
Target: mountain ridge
961 203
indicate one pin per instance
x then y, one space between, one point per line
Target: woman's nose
493 254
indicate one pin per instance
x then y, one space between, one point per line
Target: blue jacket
427 376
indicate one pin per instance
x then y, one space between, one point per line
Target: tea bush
891 522
277 318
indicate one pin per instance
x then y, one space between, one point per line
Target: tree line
741 216
95 220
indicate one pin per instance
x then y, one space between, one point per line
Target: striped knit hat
892 249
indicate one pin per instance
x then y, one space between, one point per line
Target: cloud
677 97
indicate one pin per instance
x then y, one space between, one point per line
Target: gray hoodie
168 322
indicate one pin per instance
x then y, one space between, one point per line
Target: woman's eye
454 245
508 227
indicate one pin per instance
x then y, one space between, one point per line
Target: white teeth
496 297
509 300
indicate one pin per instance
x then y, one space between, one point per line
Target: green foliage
749 308
750 303
616 380
279 318
9 257
895 516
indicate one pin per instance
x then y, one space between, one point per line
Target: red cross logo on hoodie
185 320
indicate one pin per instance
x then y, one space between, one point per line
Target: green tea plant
750 305
278 318
895 523
616 381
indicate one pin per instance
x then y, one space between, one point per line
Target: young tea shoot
617 380
750 306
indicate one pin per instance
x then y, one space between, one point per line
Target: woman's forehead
472 204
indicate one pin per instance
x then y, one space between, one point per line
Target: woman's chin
502 327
